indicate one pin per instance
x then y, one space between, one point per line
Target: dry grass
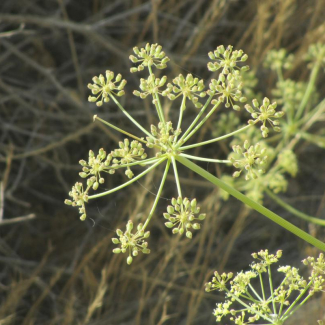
56 270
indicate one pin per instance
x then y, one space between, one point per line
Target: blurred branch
85 29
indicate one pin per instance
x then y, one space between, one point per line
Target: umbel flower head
168 139
249 158
189 87
293 291
279 59
104 87
228 89
181 214
265 113
131 243
151 55
227 60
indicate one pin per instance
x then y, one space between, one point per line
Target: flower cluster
265 113
181 214
126 154
227 59
163 135
131 243
249 158
105 88
95 166
150 86
281 303
189 87
149 56
227 88
316 53
279 59
79 197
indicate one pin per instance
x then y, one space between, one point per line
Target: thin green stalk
300 305
254 291
181 110
179 190
120 130
196 119
280 74
153 208
138 162
311 83
198 126
130 117
157 103
294 211
127 183
205 159
256 206
271 289
215 139
262 285
287 312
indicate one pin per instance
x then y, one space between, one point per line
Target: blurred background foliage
55 269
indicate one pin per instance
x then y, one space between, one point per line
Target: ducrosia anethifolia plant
270 303
256 162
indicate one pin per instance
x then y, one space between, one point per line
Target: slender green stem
129 182
300 305
294 211
195 120
215 139
179 190
120 130
198 126
135 163
130 117
157 195
280 74
181 110
271 289
157 102
311 84
255 293
205 159
262 285
287 312
256 206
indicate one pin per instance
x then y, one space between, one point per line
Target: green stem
205 159
279 73
255 293
287 312
118 129
262 285
196 119
138 162
197 127
179 190
294 211
216 139
256 206
129 182
271 289
300 305
181 110
130 117
157 195
311 83
157 102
